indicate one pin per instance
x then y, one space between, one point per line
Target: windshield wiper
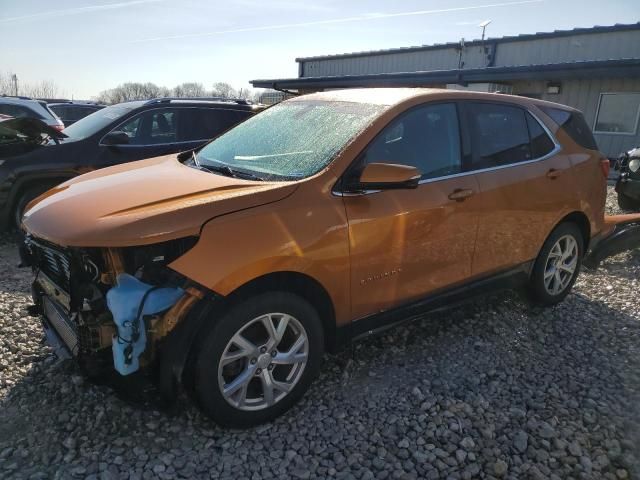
225 170
232 172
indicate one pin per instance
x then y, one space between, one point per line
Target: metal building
596 70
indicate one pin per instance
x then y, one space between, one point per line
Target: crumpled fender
620 233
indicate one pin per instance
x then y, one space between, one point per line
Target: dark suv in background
71 111
113 135
26 107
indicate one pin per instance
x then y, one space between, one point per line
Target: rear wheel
259 359
627 203
558 265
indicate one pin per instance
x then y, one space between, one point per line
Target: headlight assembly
634 164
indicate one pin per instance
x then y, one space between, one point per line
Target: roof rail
240 101
56 100
16 96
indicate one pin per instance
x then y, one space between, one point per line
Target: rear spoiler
620 233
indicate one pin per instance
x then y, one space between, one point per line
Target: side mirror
386 176
115 138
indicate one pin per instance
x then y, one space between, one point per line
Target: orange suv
231 269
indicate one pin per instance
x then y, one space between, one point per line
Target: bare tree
143 91
189 89
132 91
223 89
7 83
44 89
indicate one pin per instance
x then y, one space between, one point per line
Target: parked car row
39 159
230 268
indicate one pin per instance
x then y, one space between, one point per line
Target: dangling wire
135 328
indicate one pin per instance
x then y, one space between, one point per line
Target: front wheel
558 265
258 359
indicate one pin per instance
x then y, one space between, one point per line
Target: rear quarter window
574 124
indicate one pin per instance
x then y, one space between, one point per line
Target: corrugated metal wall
592 46
584 94
574 48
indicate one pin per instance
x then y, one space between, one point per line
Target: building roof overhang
555 71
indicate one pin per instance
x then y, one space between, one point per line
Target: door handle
460 194
554 173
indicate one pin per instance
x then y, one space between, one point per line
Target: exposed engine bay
109 308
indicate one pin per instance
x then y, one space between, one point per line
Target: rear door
198 126
405 244
524 182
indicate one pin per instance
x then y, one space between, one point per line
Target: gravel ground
494 389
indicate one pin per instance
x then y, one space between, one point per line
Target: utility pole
14 78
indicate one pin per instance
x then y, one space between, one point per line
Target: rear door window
499 135
207 123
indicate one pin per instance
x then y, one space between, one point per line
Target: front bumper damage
621 233
89 305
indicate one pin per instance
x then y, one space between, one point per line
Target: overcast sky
86 46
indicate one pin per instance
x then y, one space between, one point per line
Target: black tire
207 389
627 203
26 197
539 293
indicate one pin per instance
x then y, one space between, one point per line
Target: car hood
140 203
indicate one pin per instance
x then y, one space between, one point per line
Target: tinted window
207 123
153 127
499 135
574 124
60 110
541 144
18 111
84 111
95 122
426 138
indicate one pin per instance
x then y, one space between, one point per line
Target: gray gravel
493 389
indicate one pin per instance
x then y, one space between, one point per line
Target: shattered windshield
291 140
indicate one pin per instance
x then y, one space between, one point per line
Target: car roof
20 100
394 96
234 104
76 104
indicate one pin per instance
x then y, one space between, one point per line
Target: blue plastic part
124 302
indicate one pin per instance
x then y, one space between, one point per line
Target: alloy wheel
263 361
561 264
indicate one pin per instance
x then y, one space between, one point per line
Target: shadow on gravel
491 388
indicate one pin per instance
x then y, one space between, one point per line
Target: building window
618 113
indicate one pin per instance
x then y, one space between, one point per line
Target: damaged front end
112 308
